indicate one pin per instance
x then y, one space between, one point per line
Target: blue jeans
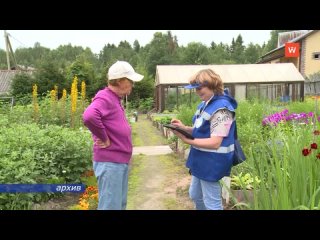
112 185
205 195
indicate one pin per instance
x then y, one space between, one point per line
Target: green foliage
110 54
30 154
220 54
237 50
47 76
289 180
32 57
20 114
303 107
171 99
146 105
195 53
252 53
186 113
22 84
84 70
50 113
58 66
23 99
249 115
89 181
141 97
64 55
5 105
165 120
174 102
160 51
172 139
162 119
244 181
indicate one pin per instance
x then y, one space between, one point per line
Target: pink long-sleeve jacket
105 118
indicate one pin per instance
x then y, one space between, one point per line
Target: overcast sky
96 39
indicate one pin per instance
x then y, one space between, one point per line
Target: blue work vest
212 164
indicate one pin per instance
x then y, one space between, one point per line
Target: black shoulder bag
239 156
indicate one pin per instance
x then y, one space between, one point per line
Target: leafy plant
244 181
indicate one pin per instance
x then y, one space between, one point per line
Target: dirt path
158 182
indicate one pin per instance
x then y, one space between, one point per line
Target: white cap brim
136 77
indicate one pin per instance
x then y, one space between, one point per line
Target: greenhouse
281 82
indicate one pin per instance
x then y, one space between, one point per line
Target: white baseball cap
122 69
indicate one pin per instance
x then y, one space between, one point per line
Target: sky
96 39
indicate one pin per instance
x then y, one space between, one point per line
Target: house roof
6 77
297 39
240 73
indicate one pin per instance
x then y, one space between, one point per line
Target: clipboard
176 128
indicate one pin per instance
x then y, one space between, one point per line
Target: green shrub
30 154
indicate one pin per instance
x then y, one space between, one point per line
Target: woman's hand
103 144
178 123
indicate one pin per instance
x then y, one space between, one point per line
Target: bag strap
235 130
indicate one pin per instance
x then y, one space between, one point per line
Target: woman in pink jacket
112 150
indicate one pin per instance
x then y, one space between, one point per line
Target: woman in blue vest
211 151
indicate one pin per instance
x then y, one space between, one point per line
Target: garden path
158 179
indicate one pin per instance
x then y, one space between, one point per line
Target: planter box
245 196
186 153
180 149
170 134
225 189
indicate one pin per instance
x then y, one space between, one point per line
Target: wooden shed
264 81
6 77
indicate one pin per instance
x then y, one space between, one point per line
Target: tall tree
108 55
195 53
172 44
237 50
22 84
126 53
32 57
252 53
213 45
221 54
84 70
47 76
64 55
136 46
159 51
